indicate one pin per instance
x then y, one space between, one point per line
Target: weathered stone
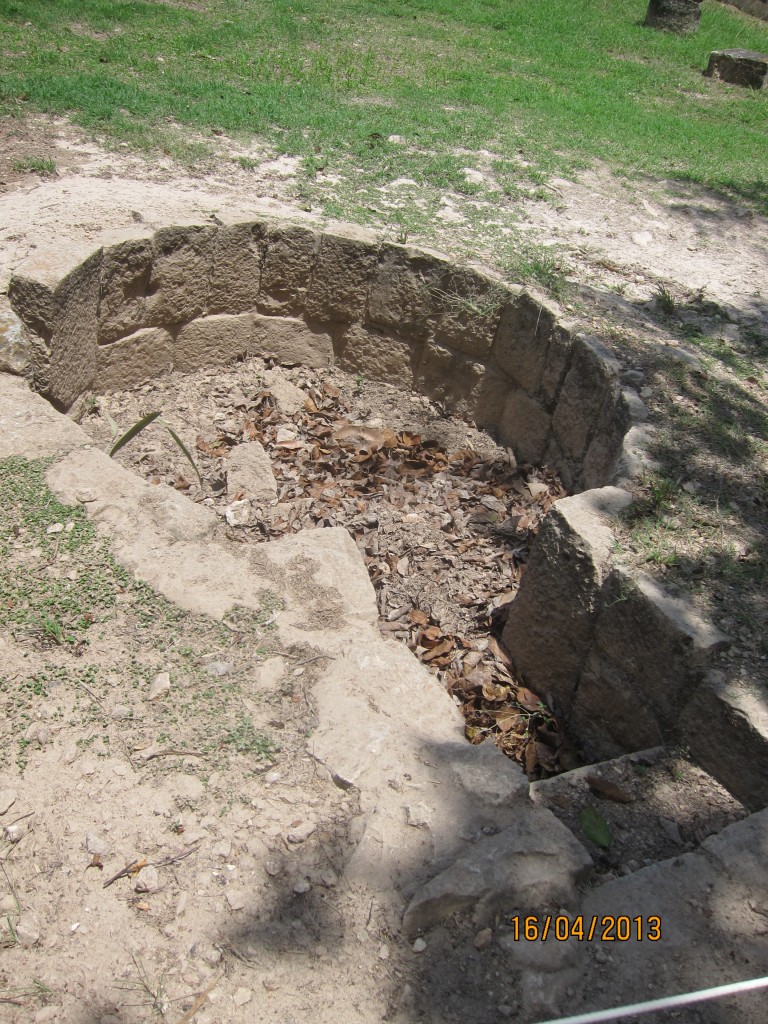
214 340
549 955
125 275
470 307
489 397
378 354
32 299
741 849
556 363
610 713
290 256
681 16
726 729
536 862
656 643
15 345
522 340
551 621
290 341
73 344
148 880
402 291
182 261
134 360
488 775
236 272
160 686
525 426
601 461
249 472
339 287
288 398
739 67
447 375
28 929
584 391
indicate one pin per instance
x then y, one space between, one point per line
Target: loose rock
161 685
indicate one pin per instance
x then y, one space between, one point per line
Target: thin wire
662 1004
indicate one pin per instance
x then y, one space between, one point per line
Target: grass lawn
543 86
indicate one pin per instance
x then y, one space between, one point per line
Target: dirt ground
151 735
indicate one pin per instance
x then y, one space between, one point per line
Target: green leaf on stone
595 827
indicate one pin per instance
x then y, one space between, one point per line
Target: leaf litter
442 515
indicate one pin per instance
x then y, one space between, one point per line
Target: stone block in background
739 67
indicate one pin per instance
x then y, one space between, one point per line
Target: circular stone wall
625 664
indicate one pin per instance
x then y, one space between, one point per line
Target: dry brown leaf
528 699
611 790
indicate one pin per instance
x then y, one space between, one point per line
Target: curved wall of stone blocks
189 297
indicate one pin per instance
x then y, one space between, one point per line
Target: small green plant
665 300
36 164
245 739
248 163
142 424
531 263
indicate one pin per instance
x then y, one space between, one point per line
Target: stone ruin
625 664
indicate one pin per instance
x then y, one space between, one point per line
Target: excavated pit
626 666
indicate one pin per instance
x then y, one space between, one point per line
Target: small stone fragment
94 844
161 685
672 830
13 833
419 946
273 867
418 815
28 929
272 777
484 938
300 833
242 996
383 953
148 880
8 798
218 668
120 712
223 849
235 899
54 528
301 886
238 513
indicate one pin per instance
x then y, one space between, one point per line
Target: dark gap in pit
442 515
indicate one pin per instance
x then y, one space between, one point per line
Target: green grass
557 85
37 164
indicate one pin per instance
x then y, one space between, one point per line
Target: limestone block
249 474
448 375
72 361
681 16
489 398
610 714
339 287
739 67
556 363
550 625
726 729
487 775
213 341
32 300
535 863
236 272
470 307
740 849
520 347
288 261
378 354
657 641
600 463
402 291
134 360
525 426
15 345
181 271
125 275
583 394
290 341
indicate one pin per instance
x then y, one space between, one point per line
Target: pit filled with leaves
443 517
